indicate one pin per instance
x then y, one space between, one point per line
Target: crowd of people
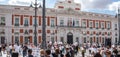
59 50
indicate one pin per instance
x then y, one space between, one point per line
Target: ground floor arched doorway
70 38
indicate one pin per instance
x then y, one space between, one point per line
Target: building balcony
91 27
96 27
91 34
97 34
2 24
16 33
70 26
52 25
34 24
108 28
16 24
25 24
108 34
102 28
103 34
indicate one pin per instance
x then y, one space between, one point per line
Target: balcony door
2 40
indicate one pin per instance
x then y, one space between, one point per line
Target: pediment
69 11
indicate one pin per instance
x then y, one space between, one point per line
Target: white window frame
85 40
97 39
96 25
91 24
18 38
1 20
102 25
116 25
61 22
75 22
27 19
33 20
15 19
108 24
52 23
103 40
84 23
52 39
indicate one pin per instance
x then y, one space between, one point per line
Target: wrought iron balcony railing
69 26
25 24
2 24
108 28
16 24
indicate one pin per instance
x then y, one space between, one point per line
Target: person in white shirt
4 52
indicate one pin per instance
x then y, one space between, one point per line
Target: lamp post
43 27
35 25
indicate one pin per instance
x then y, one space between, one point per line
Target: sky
97 6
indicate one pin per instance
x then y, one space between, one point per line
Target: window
84 24
61 22
115 26
90 39
116 40
35 21
108 33
84 39
2 21
52 39
2 39
103 40
76 23
26 22
102 25
69 22
97 39
90 24
62 39
26 32
77 39
108 25
26 39
96 25
16 21
91 33
16 39
52 23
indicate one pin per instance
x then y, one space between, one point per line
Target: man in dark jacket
30 53
25 48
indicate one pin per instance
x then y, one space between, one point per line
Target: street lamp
43 24
36 6
43 27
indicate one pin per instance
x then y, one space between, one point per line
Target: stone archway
69 38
